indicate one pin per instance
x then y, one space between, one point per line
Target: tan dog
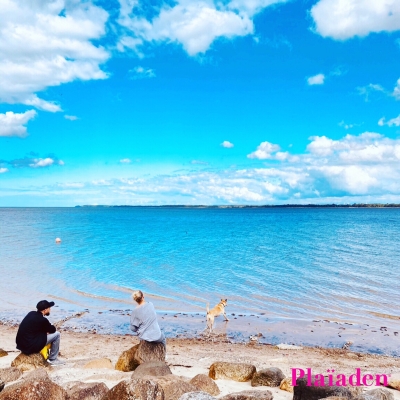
219 309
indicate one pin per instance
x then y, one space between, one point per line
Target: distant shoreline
356 205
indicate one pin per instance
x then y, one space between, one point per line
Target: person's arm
48 327
134 323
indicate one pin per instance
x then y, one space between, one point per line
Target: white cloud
344 19
141 72
370 88
227 144
3 170
48 43
396 91
318 79
265 151
33 161
125 161
193 24
13 124
71 117
362 168
391 122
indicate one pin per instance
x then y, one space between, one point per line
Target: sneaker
57 361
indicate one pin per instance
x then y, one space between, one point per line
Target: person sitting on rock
144 320
35 332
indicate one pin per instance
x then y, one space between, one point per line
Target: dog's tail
208 308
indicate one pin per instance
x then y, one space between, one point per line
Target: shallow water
304 264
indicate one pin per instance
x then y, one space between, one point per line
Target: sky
167 102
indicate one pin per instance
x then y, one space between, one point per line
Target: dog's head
224 302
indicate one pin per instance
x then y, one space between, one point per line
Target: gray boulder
376 394
152 368
34 390
249 395
303 392
268 377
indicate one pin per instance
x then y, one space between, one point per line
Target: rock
135 389
376 394
139 354
3 353
87 391
173 386
29 363
394 381
2 384
36 375
126 361
286 385
283 346
239 372
334 398
152 368
250 395
34 390
99 363
10 374
268 377
147 351
303 392
196 396
205 384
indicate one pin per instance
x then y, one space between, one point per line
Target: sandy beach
189 357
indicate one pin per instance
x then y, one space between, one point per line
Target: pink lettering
341 380
378 380
294 375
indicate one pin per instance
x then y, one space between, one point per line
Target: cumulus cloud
13 124
3 170
48 43
227 144
195 25
318 79
354 168
269 151
125 161
344 19
390 122
141 72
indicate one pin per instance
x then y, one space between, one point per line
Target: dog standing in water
219 309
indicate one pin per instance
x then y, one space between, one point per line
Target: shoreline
240 329
189 357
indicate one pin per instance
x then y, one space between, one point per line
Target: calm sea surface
341 264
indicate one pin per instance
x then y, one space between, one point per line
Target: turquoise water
340 264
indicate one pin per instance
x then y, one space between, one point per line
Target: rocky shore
108 367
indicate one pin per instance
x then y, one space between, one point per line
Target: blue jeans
54 339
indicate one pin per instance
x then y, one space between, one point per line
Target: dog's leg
226 318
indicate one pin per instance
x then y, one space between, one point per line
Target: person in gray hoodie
144 320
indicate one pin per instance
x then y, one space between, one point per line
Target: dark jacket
32 333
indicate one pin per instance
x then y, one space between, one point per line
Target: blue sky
199 102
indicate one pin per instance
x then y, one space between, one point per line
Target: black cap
43 304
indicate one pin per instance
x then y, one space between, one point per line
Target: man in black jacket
35 331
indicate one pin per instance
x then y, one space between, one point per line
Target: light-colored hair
137 295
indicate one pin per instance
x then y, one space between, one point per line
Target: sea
310 276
